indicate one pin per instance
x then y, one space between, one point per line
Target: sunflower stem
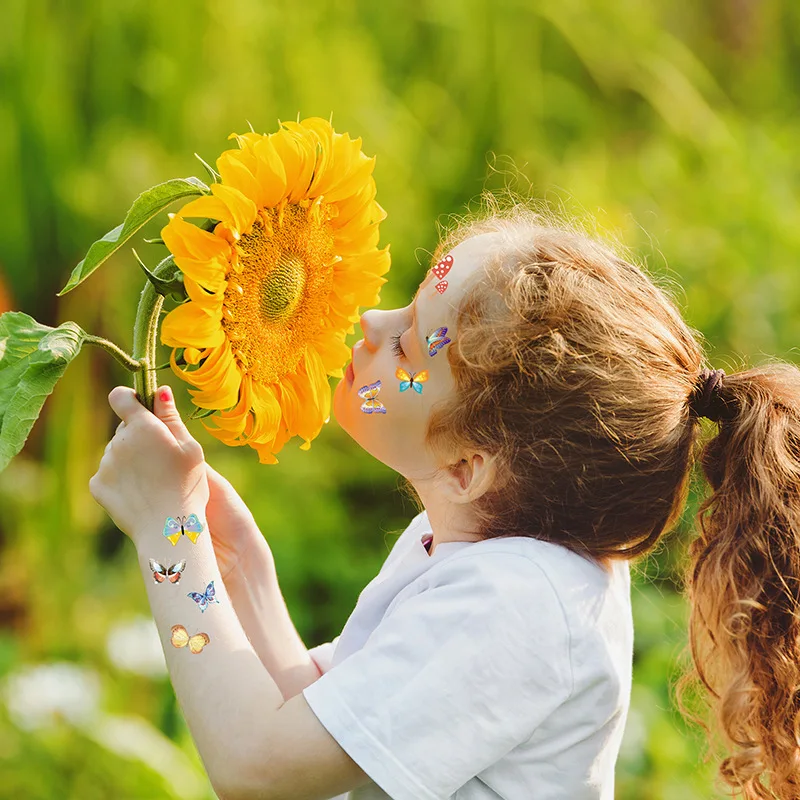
131 364
145 339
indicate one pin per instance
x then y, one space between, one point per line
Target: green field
674 126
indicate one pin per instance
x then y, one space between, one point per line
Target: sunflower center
278 297
282 289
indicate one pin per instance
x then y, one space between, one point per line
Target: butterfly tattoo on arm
206 598
175 527
163 573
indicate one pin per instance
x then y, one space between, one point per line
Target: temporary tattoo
180 638
443 267
413 381
163 573
437 340
203 600
175 527
371 404
440 270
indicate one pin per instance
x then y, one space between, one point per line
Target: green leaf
171 285
202 413
144 208
32 359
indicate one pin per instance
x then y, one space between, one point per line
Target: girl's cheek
394 392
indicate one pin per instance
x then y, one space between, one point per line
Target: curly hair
575 369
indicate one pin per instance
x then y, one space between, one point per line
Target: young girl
542 396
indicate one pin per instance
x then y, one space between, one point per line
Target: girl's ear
470 478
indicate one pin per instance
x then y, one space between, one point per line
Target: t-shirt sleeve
322 655
453 677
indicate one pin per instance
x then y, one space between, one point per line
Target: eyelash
397 348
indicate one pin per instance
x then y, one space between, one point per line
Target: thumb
165 409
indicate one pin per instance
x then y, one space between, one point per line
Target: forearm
227 696
262 612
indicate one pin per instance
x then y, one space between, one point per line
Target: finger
124 403
166 410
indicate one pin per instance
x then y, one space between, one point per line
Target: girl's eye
397 348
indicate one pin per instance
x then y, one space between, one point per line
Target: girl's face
400 370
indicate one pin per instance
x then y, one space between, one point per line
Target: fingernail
166 395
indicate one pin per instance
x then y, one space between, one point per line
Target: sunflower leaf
201 413
213 174
32 359
171 284
144 208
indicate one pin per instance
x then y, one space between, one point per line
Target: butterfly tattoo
205 599
163 573
436 341
411 381
180 638
369 394
174 528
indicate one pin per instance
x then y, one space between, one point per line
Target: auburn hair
575 369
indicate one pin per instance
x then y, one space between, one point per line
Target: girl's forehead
439 295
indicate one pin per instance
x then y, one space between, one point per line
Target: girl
541 394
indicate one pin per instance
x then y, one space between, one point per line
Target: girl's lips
349 373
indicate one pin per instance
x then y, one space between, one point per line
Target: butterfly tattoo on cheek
437 340
414 381
369 394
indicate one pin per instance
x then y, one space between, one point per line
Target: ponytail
744 581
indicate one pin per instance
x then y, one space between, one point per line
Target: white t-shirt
491 669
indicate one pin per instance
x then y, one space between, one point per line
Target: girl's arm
248 570
262 612
252 743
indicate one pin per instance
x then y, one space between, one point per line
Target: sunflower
276 286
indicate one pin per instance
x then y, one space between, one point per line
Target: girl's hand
234 532
152 467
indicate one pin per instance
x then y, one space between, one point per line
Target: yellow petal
352 205
218 380
210 301
234 173
191 355
190 325
208 206
210 274
184 239
243 209
298 156
267 413
333 352
318 380
234 419
270 173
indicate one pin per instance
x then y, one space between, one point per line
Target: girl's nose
371 325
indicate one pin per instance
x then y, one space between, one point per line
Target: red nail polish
165 396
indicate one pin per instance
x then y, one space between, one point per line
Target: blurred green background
673 125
